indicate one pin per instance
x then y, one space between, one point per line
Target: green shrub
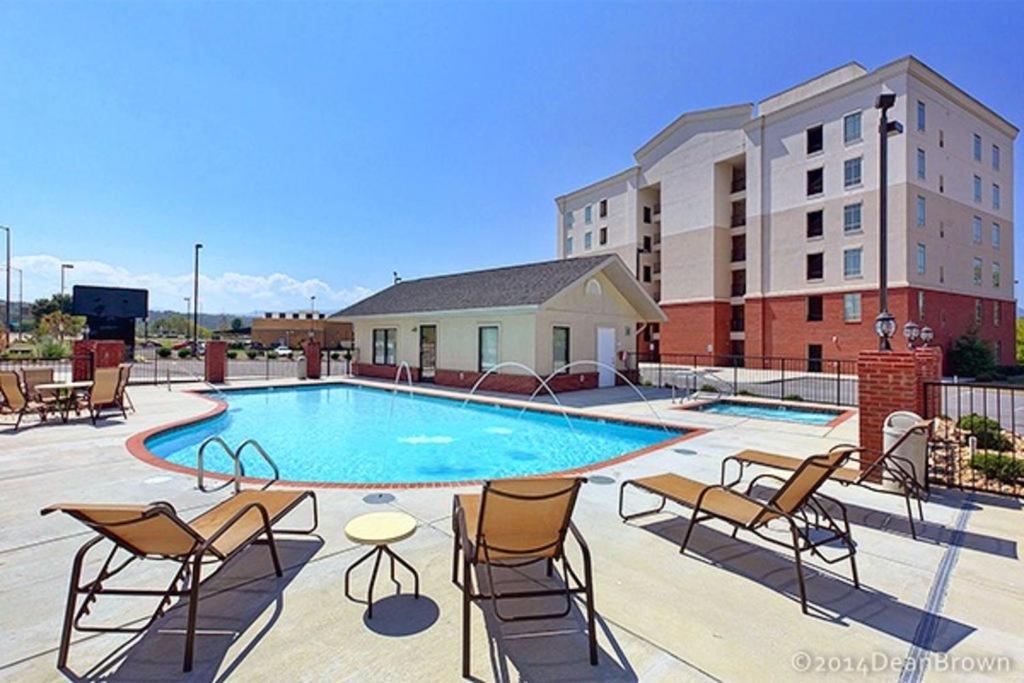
1005 468
50 349
986 430
163 352
792 397
252 353
335 356
970 356
272 355
184 353
232 354
710 388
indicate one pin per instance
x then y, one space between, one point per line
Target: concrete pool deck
725 611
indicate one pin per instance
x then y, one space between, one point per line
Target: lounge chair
122 386
104 393
899 469
516 522
797 501
34 377
16 401
156 532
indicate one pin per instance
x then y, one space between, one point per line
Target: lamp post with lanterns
885 324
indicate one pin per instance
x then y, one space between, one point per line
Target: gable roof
530 284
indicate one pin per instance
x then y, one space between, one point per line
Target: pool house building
452 329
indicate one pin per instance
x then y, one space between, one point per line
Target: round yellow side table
380 529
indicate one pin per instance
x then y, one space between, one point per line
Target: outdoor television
109 302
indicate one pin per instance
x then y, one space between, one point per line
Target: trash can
914 448
300 367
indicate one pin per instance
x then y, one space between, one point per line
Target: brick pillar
311 349
216 361
81 361
88 354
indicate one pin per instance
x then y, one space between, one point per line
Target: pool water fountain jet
543 385
408 375
599 364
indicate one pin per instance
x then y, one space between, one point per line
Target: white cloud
224 293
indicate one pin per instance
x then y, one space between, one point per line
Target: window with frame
997 236
568 245
815 181
977 272
815 309
602 236
921 171
588 241
815 266
647 244
487 347
977 147
647 273
559 346
976 230
384 346
920 115
815 139
852 218
977 189
977 312
997 313
567 220
851 128
852 172
851 308
995 157
647 214
922 259
996 197
922 210
852 262
996 274
920 305
816 223
602 208
588 214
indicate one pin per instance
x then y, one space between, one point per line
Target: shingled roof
527 285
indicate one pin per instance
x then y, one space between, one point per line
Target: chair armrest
234 520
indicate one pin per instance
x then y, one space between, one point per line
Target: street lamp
884 103
7 307
64 267
195 302
911 332
188 313
927 334
21 301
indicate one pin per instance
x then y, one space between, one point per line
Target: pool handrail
201 469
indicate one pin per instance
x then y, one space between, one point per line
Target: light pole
312 316
188 314
7 307
64 267
21 300
885 324
195 302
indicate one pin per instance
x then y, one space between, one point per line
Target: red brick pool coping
136 444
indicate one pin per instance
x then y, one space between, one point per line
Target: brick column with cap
216 364
311 350
89 354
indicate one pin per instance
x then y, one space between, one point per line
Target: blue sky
316 147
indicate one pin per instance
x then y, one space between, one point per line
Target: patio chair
16 401
33 377
899 469
156 532
104 393
513 523
122 386
797 501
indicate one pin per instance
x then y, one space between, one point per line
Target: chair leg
69 611
799 566
910 515
193 613
455 558
588 576
272 544
689 531
466 602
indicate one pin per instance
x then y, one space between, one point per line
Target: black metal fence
976 440
801 379
61 366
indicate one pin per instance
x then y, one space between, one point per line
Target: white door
606 355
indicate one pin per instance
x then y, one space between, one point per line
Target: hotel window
851 308
487 347
815 309
997 236
588 241
560 346
602 236
647 244
852 218
996 197
647 273
384 344
815 223
921 211
568 246
815 266
920 305
977 272
852 172
647 214
815 181
922 259
942 184
920 115
851 128
920 164
851 262
815 139
995 157
977 311
602 208
977 189
942 274
588 214
942 138
977 147
998 351
996 274
997 313
567 220
976 230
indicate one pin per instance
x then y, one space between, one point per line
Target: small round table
64 393
380 529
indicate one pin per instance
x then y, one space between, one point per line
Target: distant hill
211 321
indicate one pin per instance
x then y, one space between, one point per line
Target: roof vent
593 287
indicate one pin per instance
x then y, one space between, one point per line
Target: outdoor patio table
64 392
380 529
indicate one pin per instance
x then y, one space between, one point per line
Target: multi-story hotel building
756 228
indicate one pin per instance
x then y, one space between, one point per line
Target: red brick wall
514 384
311 350
383 371
692 327
95 353
216 362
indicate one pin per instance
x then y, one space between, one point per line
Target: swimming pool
769 411
354 434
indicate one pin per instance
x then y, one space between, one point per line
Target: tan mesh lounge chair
797 501
16 402
34 377
156 532
104 393
897 468
516 522
122 386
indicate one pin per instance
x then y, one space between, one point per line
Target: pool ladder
236 457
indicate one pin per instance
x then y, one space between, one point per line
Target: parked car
283 351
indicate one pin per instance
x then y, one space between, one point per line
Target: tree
236 324
970 356
1020 340
43 307
60 325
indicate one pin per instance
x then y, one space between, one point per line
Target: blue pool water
807 416
344 433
